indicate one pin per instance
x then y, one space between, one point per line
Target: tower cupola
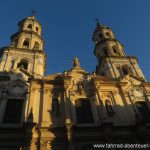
29 35
26 50
30 24
112 61
106 43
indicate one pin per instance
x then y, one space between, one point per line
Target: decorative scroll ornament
137 92
16 89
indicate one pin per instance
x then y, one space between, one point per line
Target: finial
97 21
76 63
33 12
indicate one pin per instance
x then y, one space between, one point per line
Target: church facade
75 109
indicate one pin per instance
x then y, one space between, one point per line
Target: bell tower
112 60
26 50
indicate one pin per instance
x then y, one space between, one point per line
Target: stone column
68 122
46 104
100 102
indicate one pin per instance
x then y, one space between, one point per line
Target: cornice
24 50
25 31
104 59
20 22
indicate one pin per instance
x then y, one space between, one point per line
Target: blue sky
68 26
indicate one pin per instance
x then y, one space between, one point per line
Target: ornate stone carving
16 89
105 95
136 93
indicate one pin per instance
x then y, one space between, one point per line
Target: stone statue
76 63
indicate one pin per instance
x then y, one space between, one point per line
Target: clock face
137 93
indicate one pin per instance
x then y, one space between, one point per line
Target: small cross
33 12
97 21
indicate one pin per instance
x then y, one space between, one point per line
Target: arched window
55 107
83 111
109 107
13 111
36 45
23 64
125 71
115 49
30 27
26 43
143 110
37 29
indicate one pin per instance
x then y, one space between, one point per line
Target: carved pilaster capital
33 89
115 92
46 91
126 93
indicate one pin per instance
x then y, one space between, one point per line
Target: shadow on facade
111 132
57 115
15 127
113 125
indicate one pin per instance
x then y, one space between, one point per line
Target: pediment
77 73
132 79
